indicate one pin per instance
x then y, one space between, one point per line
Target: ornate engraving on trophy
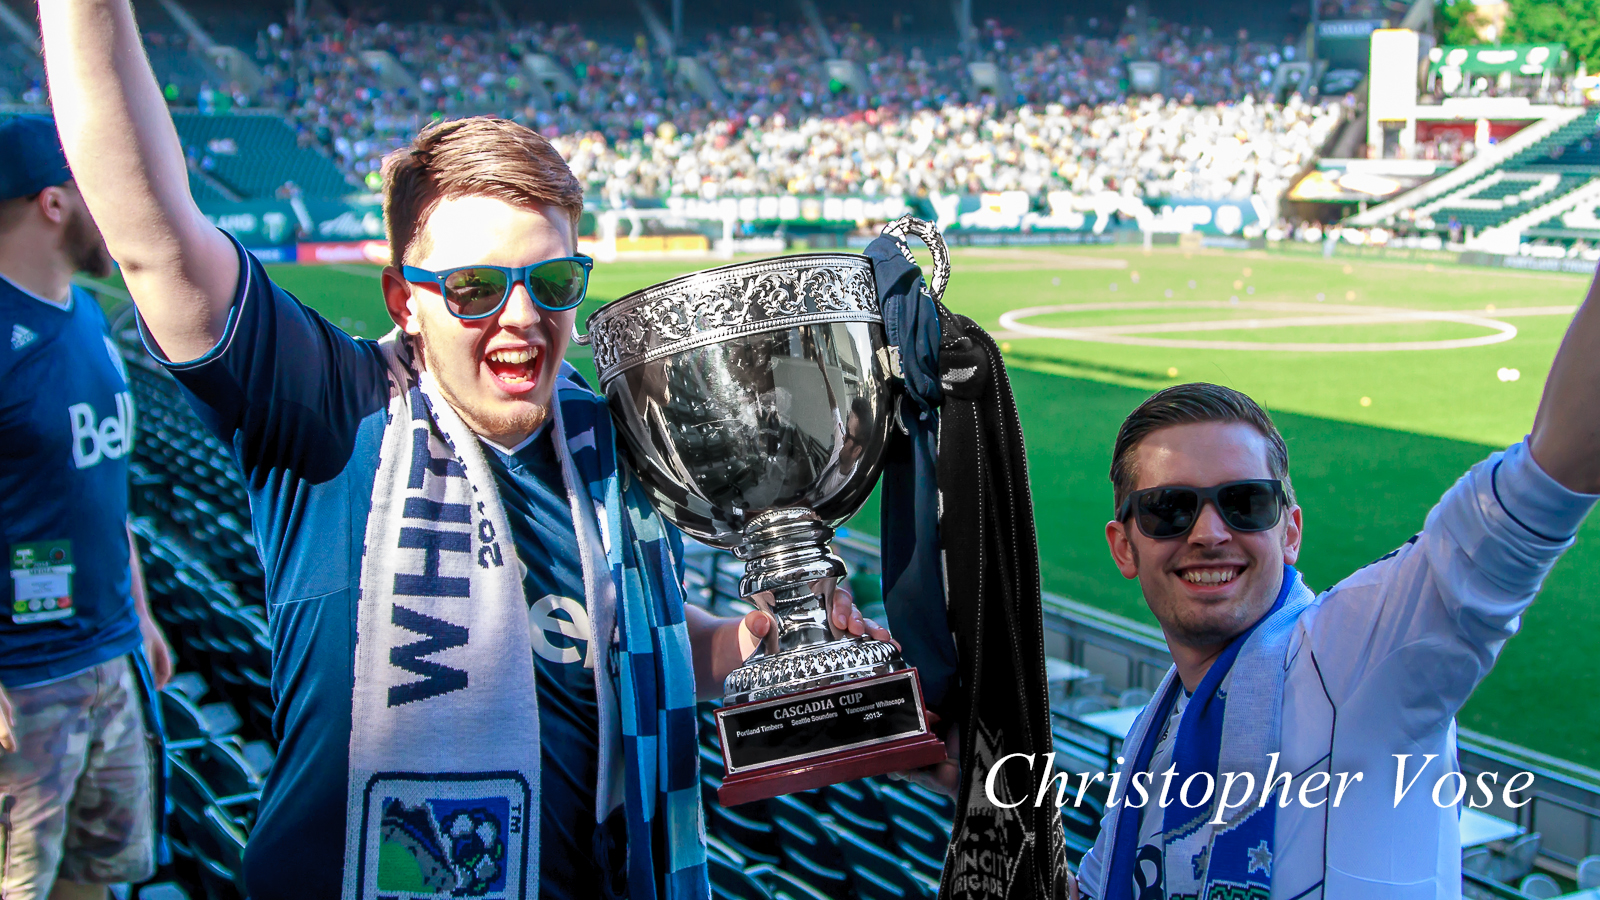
754 403
712 304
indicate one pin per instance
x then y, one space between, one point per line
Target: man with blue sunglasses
484 667
478 292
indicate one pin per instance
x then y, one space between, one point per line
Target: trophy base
808 739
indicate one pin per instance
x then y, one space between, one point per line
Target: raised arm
1566 430
129 166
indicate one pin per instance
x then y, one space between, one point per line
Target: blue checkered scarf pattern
660 730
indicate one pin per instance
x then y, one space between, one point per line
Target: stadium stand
634 128
1542 184
1147 147
632 103
1539 175
21 73
256 155
1571 216
206 189
247 156
183 74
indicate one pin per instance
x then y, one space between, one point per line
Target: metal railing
1563 804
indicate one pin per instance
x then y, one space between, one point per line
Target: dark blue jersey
302 405
66 430
540 514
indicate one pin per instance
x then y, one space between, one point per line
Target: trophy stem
786 553
786 547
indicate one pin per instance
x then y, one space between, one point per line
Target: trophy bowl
754 403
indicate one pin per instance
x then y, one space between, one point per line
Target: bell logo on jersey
96 439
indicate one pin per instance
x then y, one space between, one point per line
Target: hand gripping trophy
755 402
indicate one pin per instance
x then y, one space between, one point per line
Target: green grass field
1375 435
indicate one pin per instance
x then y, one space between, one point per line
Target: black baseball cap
31 158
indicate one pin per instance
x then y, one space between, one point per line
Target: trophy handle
582 340
929 233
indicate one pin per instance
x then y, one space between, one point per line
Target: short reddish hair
479 156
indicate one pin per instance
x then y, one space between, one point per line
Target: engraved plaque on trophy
754 403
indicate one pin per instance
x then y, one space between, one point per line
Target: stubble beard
1213 626
518 418
85 247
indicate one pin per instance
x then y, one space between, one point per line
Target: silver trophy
754 403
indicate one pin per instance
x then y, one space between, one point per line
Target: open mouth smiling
1212 575
515 368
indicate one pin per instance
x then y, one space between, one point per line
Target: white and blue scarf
444 744
1231 724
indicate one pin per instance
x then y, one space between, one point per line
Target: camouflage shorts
75 799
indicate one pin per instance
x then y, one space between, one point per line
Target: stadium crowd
1148 147
777 122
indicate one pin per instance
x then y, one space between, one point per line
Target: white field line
1327 314
1515 311
1280 322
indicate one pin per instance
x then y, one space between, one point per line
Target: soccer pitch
1388 380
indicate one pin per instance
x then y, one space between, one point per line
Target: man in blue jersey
484 667
76 807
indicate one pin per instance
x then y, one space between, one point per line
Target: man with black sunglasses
1266 764
484 666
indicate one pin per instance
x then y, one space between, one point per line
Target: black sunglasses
477 292
1169 512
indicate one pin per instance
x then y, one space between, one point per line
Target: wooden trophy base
869 726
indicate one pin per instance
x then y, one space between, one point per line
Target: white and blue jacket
1379 665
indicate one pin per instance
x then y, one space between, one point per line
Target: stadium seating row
184 479
255 155
868 840
217 756
1540 174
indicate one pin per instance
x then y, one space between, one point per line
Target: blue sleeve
283 387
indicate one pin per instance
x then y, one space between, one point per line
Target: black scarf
973 627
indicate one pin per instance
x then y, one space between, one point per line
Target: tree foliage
1575 23
1455 22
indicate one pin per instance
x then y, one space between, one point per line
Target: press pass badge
41 581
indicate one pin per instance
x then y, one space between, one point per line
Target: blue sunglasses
477 292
